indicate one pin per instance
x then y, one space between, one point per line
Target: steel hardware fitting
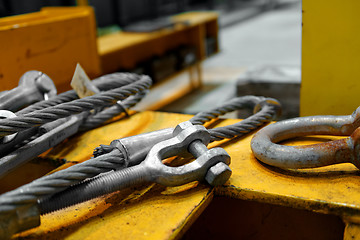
265 148
34 86
63 124
211 165
14 205
51 135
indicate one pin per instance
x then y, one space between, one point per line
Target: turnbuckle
211 165
265 148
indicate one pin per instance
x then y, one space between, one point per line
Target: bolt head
181 127
218 175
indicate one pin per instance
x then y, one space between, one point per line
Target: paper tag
82 84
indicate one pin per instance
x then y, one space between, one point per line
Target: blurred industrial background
258 46
199 54
260 54
125 12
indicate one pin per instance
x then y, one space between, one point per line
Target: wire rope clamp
210 165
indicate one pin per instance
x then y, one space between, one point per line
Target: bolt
198 149
199 146
218 174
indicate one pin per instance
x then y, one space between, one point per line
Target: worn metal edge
346 212
179 231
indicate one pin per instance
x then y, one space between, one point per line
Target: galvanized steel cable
110 158
104 83
38 117
265 110
102 116
58 181
127 84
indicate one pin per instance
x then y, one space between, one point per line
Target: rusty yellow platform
258 202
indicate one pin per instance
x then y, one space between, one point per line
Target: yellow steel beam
53 40
330 57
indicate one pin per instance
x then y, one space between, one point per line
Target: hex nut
218 174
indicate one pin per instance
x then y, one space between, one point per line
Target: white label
82 84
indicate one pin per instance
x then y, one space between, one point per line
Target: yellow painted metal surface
53 40
352 231
330 57
157 212
150 211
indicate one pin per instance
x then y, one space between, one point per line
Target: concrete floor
271 38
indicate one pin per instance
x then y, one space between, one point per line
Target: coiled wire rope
67 104
108 158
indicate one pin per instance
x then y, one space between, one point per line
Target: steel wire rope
91 167
106 82
47 114
111 158
265 109
268 109
100 117
58 181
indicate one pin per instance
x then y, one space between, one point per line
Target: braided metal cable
58 99
247 125
227 107
268 109
104 83
99 118
107 159
58 181
9 126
